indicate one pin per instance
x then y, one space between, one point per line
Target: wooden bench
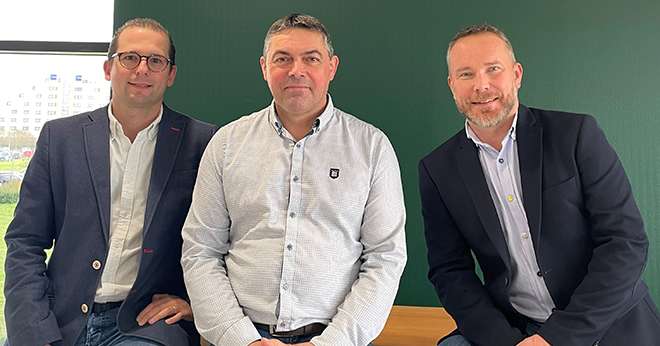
413 325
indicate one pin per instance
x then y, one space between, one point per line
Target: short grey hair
298 21
480 29
147 23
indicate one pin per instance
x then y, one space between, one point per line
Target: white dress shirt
528 293
290 233
130 174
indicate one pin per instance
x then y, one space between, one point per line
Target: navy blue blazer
65 200
587 232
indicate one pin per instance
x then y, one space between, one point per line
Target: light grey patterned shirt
290 233
528 293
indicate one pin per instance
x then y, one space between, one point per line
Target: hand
270 342
266 342
534 340
163 306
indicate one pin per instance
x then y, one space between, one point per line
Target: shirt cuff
242 333
332 336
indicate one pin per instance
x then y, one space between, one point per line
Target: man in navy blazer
109 191
542 202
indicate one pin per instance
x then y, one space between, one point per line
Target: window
43 73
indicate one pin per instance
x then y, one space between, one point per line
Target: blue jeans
459 340
456 340
101 330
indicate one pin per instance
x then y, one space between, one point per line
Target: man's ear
107 68
171 76
262 63
334 65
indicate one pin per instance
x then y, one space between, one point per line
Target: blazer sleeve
620 246
452 273
28 316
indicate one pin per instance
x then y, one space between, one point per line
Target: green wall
598 57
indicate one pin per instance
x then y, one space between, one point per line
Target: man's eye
157 60
280 59
464 75
130 57
313 59
494 69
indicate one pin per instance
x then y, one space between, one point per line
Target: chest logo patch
334 173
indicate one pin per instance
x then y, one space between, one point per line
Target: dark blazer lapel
96 135
529 136
475 182
170 134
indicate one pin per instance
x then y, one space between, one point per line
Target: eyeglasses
131 60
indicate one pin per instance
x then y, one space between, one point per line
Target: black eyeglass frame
145 57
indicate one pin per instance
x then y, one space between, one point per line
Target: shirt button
539 273
298 145
285 286
289 247
525 235
282 324
292 214
96 264
500 160
84 308
296 178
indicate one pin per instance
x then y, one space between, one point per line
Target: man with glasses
296 230
111 189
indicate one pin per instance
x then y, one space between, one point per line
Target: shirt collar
320 122
471 135
116 129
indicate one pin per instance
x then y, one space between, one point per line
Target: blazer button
96 264
506 282
84 308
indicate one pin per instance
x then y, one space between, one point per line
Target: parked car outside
7 176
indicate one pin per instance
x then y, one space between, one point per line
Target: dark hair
300 21
147 23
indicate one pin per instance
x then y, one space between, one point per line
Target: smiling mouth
296 87
140 85
484 102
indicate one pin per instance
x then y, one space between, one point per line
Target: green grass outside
14 165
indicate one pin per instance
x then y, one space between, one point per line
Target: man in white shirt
110 188
296 230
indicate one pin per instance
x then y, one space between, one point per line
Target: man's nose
142 66
298 68
481 82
